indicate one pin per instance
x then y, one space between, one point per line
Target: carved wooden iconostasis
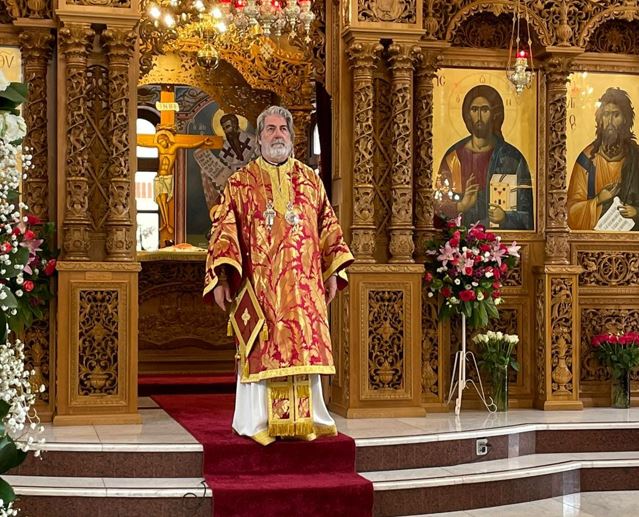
393 74
398 82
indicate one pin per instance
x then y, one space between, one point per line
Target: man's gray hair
280 112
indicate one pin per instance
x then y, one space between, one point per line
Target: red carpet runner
286 478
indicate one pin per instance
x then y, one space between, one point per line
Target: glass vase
500 388
621 390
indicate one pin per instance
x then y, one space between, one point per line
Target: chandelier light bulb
221 27
216 13
155 12
169 21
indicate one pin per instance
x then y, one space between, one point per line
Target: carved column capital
120 44
36 44
363 55
75 42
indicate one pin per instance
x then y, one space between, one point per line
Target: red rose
49 269
467 296
484 248
495 294
496 285
446 292
496 273
503 267
29 235
16 230
33 219
469 270
28 286
428 277
6 247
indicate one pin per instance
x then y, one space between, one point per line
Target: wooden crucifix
167 141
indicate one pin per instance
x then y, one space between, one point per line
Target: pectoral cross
168 141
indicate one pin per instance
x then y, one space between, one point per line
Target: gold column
120 245
557 249
401 245
36 45
76 41
363 58
427 66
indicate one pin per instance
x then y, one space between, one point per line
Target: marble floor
159 430
588 504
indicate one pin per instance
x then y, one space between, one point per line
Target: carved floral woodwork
485 30
540 338
608 268
386 340
98 336
76 42
557 247
119 242
363 57
395 11
615 36
34 9
560 23
426 70
430 349
36 46
302 124
383 158
561 325
401 246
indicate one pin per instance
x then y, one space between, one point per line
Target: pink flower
447 253
428 277
28 286
513 250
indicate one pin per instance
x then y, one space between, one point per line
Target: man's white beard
278 152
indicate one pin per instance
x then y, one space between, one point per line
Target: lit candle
522 53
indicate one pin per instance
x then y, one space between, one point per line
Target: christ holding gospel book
486 178
275 228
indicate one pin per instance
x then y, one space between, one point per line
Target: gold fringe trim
286 428
304 427
283 372
263 438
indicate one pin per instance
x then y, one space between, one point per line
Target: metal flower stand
459 379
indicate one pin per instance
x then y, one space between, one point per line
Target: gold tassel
304 427
286 428
229 328
264 333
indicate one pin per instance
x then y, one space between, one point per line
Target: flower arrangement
26 265
495 359
466 266
620 353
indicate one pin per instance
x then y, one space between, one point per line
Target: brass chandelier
272 18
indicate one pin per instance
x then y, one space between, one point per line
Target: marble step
64 496
457 447
501 482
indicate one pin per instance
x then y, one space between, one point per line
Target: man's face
612 120
230 127
275 139
480 117
163 141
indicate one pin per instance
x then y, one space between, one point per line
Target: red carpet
169 384
286 478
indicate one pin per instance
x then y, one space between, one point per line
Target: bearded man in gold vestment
275 227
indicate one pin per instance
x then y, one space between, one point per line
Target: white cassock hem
251 407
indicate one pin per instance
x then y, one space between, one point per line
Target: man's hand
496 214
222 294
628 211
331 288
470 195
608 192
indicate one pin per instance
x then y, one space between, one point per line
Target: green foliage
618 357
